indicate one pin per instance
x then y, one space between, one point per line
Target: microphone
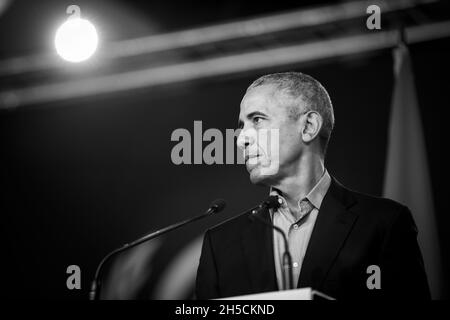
274 202
215 207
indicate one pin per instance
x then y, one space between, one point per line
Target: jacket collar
333 224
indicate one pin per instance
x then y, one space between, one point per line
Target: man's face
271 140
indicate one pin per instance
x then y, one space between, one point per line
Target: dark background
79 178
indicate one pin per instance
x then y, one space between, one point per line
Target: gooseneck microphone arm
273 202
215 207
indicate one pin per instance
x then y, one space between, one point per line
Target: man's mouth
247 157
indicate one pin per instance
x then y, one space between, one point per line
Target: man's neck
304 177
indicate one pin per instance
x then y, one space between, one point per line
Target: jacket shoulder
380 203
378 208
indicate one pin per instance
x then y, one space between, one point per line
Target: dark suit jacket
352 232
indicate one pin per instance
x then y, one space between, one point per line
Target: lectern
294 294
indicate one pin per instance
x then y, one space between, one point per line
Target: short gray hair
311 92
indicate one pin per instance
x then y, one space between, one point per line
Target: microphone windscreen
272 202
218 205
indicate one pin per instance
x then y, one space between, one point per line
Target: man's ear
312 125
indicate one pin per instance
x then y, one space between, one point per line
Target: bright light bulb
76 40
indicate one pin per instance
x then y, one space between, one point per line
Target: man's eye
257 120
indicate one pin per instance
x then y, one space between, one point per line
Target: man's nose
244 139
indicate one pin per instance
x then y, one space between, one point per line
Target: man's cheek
271 143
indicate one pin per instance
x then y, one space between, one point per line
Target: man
345 244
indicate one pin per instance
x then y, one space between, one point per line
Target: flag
407 179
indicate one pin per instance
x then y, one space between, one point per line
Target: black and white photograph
224 150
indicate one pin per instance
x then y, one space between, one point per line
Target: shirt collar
317 193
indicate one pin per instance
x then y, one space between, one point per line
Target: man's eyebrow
250 116
256 113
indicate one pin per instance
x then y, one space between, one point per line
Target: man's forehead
263 98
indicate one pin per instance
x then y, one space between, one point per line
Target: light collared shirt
297 231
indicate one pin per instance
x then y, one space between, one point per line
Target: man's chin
257 177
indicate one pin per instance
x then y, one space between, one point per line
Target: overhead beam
216 33
231 64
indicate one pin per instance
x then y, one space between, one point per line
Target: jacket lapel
333 224
257 244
